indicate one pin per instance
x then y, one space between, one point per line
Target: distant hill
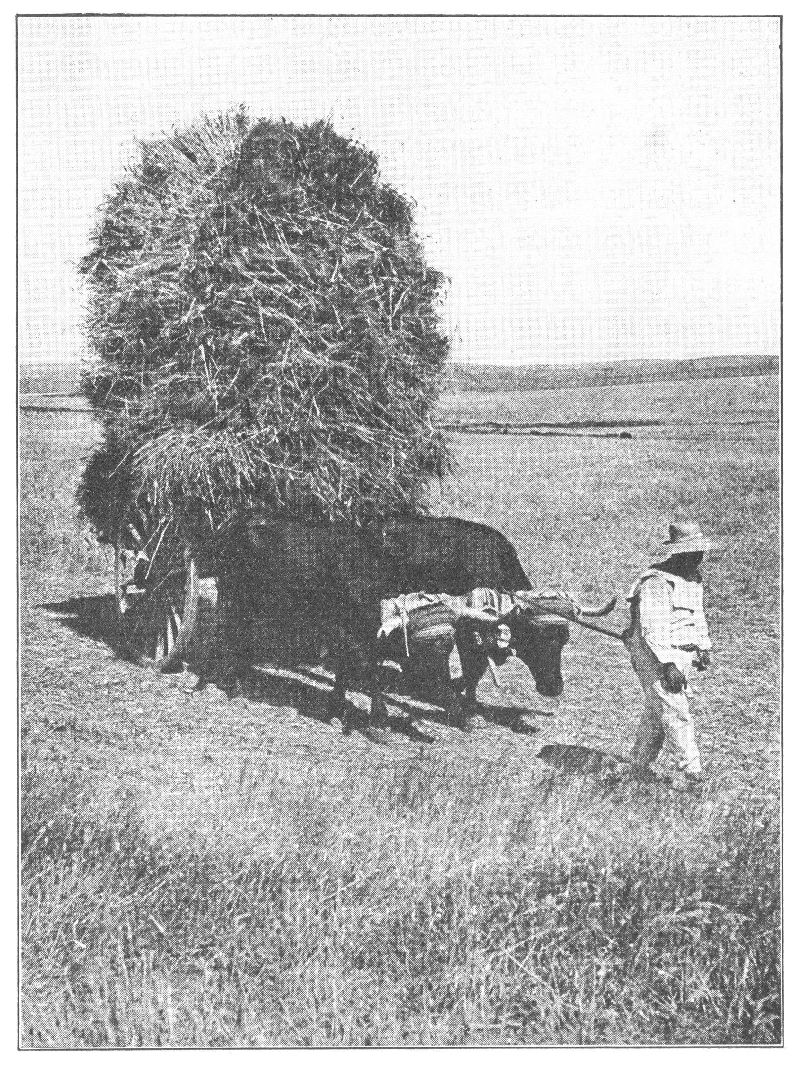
490 378
64 378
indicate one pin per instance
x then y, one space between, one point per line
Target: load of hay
266 332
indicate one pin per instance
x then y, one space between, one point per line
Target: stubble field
198 870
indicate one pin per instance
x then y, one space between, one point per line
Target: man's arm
703 657
701 628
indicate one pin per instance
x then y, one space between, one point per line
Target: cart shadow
95 616
90 615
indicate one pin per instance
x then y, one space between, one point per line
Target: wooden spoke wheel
157 600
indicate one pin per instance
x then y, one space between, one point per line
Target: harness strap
404 623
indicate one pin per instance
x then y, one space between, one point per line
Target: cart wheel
157 607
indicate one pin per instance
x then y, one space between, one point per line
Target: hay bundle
267 331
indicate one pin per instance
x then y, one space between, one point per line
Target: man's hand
672 679
703 659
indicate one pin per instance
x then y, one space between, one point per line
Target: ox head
540 628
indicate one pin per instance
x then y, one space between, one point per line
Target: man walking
668 635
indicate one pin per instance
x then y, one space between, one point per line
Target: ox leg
378 718
473 666
337 700
431 666
476 666
458 714
383 672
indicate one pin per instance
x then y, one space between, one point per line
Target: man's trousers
666 720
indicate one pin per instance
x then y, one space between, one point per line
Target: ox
275 566
534 628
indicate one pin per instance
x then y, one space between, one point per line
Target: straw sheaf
266 327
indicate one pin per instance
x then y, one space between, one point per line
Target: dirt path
188 752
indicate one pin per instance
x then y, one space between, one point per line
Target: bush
266 331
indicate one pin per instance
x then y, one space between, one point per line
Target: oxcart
165 580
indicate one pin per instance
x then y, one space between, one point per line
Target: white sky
595 188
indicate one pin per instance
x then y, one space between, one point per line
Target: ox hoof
688 782
645 774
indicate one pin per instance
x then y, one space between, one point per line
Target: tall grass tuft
429 903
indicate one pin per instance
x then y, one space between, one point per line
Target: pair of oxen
347 583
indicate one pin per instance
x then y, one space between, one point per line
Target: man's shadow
576 759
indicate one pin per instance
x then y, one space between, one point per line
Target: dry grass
199 871
437 903
266 331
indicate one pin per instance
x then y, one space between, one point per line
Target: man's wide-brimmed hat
685 538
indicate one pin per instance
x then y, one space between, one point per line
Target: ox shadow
410 701
278 685
286 683
305 690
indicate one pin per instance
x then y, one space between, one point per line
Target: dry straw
266 328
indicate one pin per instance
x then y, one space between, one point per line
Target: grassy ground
201 871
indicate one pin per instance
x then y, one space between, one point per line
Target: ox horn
565 607
595 611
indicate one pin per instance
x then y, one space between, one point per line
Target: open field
675 408
492 377
206 871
